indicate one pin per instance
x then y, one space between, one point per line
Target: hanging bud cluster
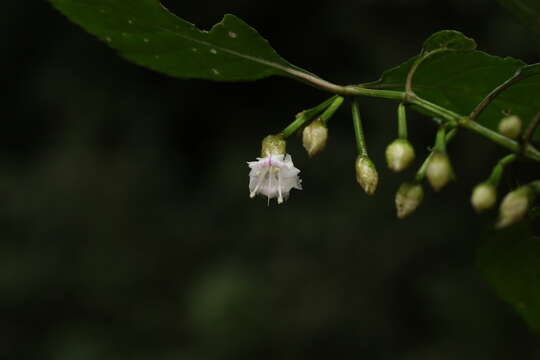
514 206
274 175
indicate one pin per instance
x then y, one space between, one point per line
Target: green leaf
527 12
460 78
146 33
448 40
510 261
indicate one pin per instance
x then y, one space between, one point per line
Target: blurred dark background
126 230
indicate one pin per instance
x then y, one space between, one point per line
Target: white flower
273 176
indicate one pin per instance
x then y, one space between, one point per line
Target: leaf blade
450 40
145 32
510 261
460 79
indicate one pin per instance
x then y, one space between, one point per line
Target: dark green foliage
448 40
148 34
510 260
458 79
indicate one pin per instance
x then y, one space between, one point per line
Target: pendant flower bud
366 174
484 197
439 170
408 198
514 206
510 126
273 176
273 145
314 137
399 154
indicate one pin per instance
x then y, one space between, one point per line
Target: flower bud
366 174
408 198
273 145
399 154
314 137
514 206
439 170
510 126
484 197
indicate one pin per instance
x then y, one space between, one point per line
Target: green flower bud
408 198
314 137
273 145
366 174
514 206
439 170
510 126
399 154
484 197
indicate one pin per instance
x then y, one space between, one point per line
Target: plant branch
529 132
493 94
498 169
527 150
307 115
412 71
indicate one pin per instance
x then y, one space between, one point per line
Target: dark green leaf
510 260
527 11
146 33
448 40
460 79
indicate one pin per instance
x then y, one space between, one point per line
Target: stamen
261 179
280 196
270 175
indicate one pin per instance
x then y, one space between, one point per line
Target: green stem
498 169
421 173
527 151
440 140
492 95
329 112
307 115
402 121
409 82
529 132
358 130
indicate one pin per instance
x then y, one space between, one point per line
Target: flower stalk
361 146
309 114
